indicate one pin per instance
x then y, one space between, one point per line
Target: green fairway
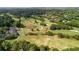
67 32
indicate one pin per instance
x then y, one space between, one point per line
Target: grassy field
53 41
38 29
45 40
67 32
50 41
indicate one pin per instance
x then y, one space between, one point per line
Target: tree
6 46
6 20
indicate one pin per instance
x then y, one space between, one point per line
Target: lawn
66 32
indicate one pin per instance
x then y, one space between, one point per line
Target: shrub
76 37
71 49
53 27
6 46
16 46
64 35
20 45
50 33
33 47
44 48
61 35
32 33
43 24
54 49
60 26
67 36
24 46
11 36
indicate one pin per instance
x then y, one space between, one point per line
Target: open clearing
50 41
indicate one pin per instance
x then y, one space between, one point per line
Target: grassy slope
67 32
51 41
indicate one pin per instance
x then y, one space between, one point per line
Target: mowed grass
66 32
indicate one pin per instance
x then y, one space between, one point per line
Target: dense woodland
23 29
